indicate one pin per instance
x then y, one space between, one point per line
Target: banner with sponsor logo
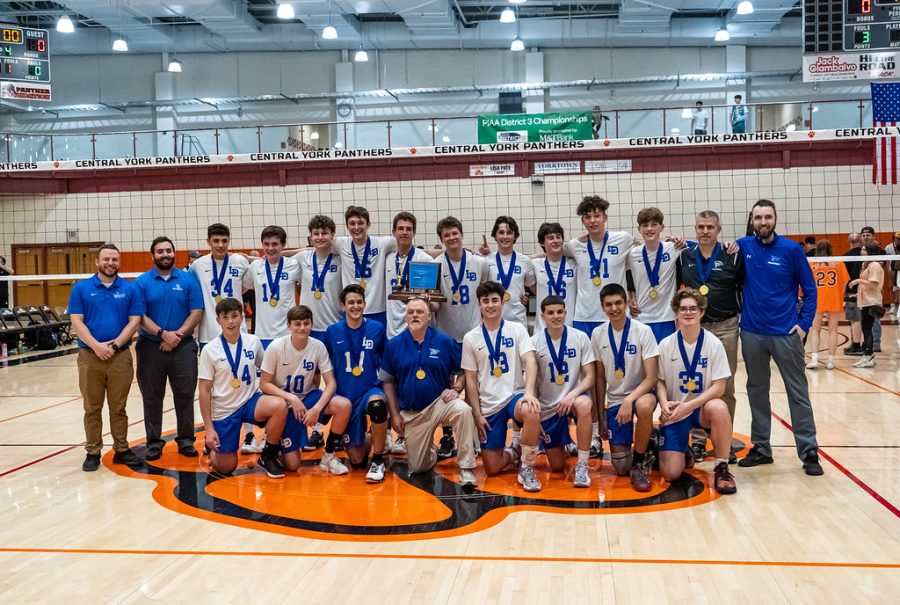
535 127
25 91
492 170
825 67
556 167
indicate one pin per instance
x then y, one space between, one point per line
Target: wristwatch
115 347
159 333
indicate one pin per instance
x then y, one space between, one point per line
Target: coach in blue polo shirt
166 348
422 382
773 328
105 311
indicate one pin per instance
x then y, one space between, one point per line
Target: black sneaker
447 447
270 464
754 458
811 464
876 348
854 349
699 452
128 458
91 463
316 440
732 457
153 453
723 479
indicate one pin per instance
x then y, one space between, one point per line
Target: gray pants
876 333
787 351
179 366
727 332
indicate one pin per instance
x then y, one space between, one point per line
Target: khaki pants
726 331
420 427
110 380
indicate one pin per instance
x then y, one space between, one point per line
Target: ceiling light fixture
285 11
314 136
745 8
507 16
65 25
174 66
517 45
120 45
722 35
517 1
329 33
361 56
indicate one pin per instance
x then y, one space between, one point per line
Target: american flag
885 112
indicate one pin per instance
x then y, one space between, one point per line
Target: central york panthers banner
535 127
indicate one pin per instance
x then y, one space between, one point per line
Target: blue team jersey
169 301
350 349
438 356
106 309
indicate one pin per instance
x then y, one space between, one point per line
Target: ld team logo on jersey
405 507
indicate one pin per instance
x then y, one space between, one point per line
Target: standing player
627 372
356 345
274 280
652 269
363 259
396 269
565 374
831 281
555 274
229 394
693 369
220 275
510 269
288 372
495 354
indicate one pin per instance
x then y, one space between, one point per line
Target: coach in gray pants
772 328
166 347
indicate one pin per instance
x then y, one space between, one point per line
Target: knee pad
377 411
621 462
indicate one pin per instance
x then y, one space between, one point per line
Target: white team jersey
496 391
712 365
327 309
231 288
214 366
271 322
641 346
543 290
378 249
660 308
522 276
578 354
612 271
456 318
294 370
396 309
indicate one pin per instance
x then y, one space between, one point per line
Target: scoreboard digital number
24 54
871 24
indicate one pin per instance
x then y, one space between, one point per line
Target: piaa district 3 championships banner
535 127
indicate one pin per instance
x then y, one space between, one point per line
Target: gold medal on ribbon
704 289
362 284
597 280
619 374
357 371
457 297
317 294
691 386
420 374
218 299
273 302
505 296
560 379
498 371
653 293
235 383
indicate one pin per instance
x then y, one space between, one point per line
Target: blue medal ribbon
505 277
218 278
360 266
318 279
425 346
619 352
456 278
557 356
233 362
403 276
705 266
556 283
493 349
653 272
692 366
274 290
595 260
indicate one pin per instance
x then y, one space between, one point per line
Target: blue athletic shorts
355 434
556 432
619 434
496 436
229 428
379 317
587 327
661 329
675 437
295 434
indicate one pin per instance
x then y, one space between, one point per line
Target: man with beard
166 349
772 327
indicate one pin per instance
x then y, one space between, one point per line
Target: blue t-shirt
775 273
169 301
106 310
438 356
360 348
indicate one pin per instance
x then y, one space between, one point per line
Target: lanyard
403 276
505 277
455 277
653 272
274 290
558 356
692 366
218 277
233 362
361 265
595 261
425 346
494 349
318 279
705 266
556 285
619 352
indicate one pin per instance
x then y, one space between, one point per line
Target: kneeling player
356 345
565 364
627 367
229 394
693 369
288 372
493 358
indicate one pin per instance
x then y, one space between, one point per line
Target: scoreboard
24 54
850 25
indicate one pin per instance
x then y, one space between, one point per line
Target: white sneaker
867 362
528 480
332 465
829 365
250 446
399 446
376 473
467 478
596 447
813 364
582 478
572 450
858 363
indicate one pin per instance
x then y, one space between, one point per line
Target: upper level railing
617 123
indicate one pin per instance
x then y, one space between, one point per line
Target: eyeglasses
688 310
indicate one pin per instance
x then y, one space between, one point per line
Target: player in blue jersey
356 345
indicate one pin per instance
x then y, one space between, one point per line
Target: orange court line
869 382
53 405
314 555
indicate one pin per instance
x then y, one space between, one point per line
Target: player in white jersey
565 375
512 270
289 372
627 371
396 269
653 272
693 368
600 260
229 395
220 275
274 281
555 273
495 356
363 259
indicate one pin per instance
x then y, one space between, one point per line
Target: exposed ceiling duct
122 20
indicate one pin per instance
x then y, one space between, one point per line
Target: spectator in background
5 270
192 256
809 245
700 119
868 237
249 298
851 311
894 248
831 281
869 284
598 120
738 116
